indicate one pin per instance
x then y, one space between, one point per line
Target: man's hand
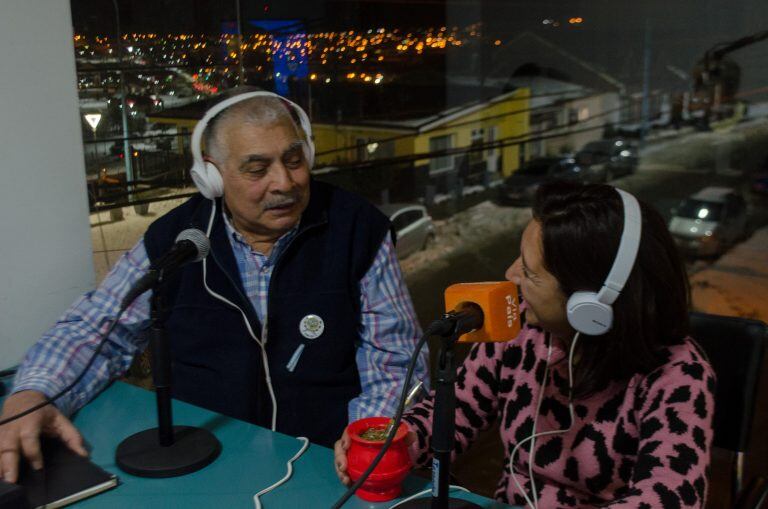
340 458
22 436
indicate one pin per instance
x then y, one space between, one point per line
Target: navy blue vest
216 363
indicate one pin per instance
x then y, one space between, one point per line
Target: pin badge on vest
311 327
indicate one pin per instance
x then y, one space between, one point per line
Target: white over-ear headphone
592 313
205 175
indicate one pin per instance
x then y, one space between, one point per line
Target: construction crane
716 81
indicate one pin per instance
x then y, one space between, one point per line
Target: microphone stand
167 450
443 426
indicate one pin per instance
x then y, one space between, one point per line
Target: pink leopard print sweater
645 444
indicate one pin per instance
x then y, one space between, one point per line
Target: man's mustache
283 200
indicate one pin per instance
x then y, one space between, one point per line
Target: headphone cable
529 503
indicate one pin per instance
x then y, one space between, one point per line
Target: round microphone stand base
427 503
192 449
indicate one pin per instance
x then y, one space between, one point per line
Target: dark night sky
686 16
611 35
613 32
173 16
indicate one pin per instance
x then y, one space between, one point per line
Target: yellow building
503 119
349 143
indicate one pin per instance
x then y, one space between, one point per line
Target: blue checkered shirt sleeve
57 358
388 333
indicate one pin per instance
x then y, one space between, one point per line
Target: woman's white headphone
205 175
592 313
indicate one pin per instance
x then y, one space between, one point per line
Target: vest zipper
278 264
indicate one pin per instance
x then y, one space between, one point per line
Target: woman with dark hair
622 419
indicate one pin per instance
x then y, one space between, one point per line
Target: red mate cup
385 482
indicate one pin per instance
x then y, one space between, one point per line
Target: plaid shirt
388 329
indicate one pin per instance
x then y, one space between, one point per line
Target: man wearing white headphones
298 319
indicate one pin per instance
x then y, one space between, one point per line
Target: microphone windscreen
501 310
199 239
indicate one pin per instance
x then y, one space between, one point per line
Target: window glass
442 162
439 103
412 216
400 221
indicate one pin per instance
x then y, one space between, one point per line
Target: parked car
709 221
608 158
520 187
412 225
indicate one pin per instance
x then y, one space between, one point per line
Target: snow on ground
757 110
467 230
93 104
737 283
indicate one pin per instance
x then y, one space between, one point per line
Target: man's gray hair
257 111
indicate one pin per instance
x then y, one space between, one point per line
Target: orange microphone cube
501 310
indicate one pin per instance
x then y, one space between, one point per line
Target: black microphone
191 246
462 319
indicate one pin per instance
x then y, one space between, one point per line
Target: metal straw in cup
409 399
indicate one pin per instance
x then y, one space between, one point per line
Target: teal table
252 458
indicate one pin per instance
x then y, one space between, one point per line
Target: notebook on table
66 478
